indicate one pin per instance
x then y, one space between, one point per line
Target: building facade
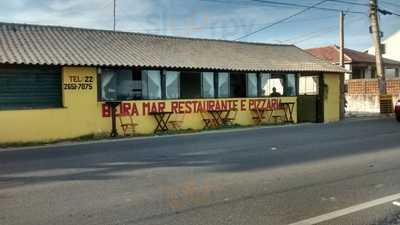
360 65
57 82
392 47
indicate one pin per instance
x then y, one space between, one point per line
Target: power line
286 5
228 26
391 3
315 6
386 12
281 20
300 38
248 3
380 10
114 14
350 3
323 32
311 35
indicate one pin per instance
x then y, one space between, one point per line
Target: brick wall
393 87
362 95
355 87
371 86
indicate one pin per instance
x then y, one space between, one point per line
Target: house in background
361 65
391 49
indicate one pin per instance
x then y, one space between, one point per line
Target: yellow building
59 82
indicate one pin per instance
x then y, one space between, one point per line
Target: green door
310 101
307 108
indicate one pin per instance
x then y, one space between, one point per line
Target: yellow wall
76 118
82 113
193 120
332 97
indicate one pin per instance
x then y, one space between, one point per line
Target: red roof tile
331 54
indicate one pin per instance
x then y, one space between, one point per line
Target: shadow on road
222 152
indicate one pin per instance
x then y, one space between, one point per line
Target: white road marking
349 210
396 203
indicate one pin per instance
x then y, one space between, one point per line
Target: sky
216 19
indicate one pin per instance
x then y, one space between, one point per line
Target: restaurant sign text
143 108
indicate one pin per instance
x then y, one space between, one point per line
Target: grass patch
87 137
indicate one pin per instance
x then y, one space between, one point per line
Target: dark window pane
30 87
238 85
190 85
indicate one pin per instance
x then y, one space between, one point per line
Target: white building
392 51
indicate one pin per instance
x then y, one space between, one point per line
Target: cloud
195 18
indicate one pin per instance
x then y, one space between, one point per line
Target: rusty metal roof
52 45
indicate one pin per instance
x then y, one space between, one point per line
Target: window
223 85
208 85
190 85
358 73
391 72
125 84
151 84
290 85
275 85
117 84
137 84
265 77
172 85
238 85
30 87
308 85
251 86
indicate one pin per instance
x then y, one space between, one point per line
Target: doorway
310 99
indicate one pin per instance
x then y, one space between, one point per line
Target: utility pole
114 16
341 57
376 36
341 39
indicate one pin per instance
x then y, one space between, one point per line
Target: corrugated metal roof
51 45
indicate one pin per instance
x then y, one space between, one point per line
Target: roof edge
139 33
343 70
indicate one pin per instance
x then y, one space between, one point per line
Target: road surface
340 173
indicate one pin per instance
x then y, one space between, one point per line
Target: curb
126 139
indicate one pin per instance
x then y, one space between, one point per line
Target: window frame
318 88
229 84
164 85
247 84
100 71
58 70
216 82
202 84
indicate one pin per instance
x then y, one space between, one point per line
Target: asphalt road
263 176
